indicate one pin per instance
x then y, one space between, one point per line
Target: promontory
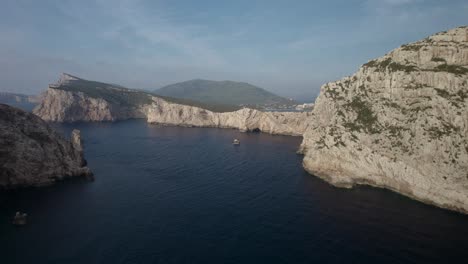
34 154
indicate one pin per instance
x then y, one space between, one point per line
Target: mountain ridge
222 92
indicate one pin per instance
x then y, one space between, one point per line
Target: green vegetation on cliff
122 96
365 120
111 93
222 93
390 65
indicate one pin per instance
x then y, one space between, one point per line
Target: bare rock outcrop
68 106
33 154
246 119
400 122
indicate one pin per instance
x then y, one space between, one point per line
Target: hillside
222 93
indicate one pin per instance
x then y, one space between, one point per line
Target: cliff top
445 51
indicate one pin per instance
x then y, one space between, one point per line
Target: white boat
236 142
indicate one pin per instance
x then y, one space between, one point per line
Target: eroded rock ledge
33 154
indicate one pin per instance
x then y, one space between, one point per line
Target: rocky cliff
400 122
33 154
74 99
68 106
282 123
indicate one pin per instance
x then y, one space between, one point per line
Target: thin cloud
159 31
146 44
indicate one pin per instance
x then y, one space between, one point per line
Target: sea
166 194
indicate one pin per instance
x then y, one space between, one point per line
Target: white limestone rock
283 123
67 106
61 105
400 122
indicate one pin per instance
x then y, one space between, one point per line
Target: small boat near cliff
236 142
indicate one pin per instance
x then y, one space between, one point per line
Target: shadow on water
187 195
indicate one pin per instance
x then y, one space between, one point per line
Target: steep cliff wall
67 106
400 122
33 154
283 123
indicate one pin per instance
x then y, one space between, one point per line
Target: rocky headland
33 154
74 99
400 122
245 119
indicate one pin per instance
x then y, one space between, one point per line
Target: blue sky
288 47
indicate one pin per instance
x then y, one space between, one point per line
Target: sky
287 47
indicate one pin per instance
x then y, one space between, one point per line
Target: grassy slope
223 92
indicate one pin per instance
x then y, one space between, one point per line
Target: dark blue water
187 195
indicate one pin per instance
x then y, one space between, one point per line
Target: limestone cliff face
69 106
400 122
103 102
33 154
283 123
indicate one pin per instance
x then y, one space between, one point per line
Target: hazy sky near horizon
288 47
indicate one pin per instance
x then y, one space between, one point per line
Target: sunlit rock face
283 123
66 106
400 122
33 154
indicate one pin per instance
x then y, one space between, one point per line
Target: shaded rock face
400 122
33 154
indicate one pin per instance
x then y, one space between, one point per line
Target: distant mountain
222 93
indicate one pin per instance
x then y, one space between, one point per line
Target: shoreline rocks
33 154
